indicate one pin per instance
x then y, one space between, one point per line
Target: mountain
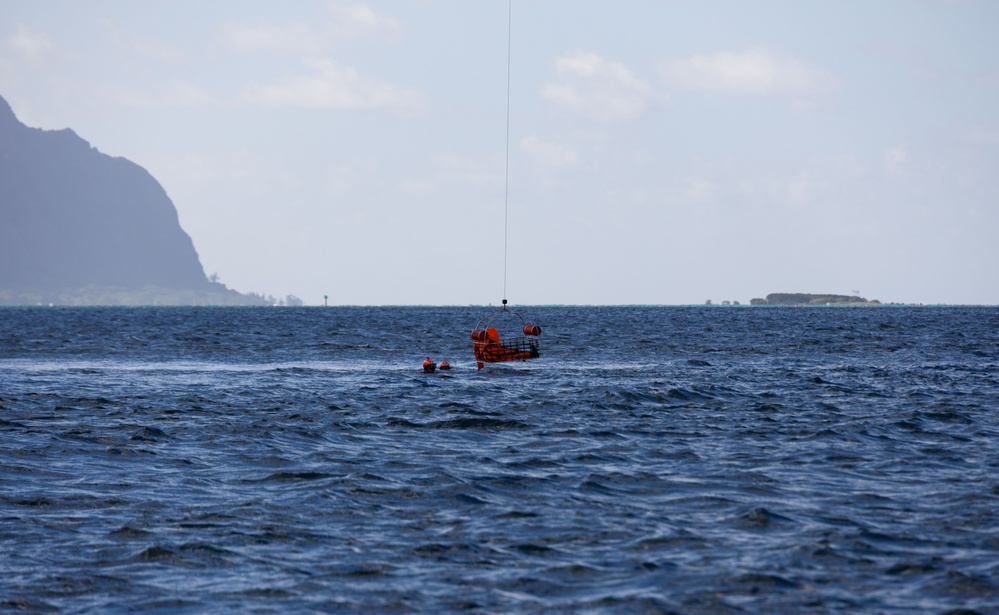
80 227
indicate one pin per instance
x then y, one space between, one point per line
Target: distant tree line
288 301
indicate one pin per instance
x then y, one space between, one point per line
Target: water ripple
703 461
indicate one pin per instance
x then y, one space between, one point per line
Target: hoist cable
506 186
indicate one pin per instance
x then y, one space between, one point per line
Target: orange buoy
479 335
445 365
429 366
532 330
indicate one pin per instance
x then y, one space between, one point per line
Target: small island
812 299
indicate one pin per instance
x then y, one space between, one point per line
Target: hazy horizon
661 152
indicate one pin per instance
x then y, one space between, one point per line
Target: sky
657 151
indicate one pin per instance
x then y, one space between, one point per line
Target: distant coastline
94 295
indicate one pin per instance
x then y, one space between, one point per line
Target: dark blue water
688 460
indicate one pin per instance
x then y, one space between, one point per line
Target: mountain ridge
78 225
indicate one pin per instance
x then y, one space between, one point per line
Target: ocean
701 459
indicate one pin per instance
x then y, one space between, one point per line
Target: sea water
654 459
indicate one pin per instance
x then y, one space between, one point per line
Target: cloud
418 186
754 71
174 94
896 160
804 188
156 52
330 85
358 20
345 21
980 135
700 190
597 88
548 154
339 180
142 46
988 79
292 38
32 46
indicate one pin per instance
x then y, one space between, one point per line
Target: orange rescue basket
521 346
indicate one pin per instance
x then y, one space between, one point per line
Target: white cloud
754 71
174 94
597 88
465 169
803 188
547 153
340 179
7 75
292 38
417 186
331 85
161 53
896 159
700 190
358 20
981 135
144 47
32 46
345 21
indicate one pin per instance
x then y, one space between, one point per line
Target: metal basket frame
493 352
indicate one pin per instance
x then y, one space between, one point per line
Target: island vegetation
813 299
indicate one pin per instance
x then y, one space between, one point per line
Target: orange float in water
429 366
